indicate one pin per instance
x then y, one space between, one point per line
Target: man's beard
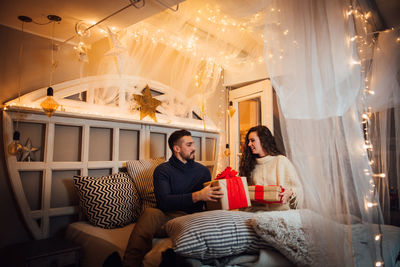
189 157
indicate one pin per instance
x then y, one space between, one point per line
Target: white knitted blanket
308 239
290 233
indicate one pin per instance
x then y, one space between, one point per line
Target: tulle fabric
315 70
188 50
384 106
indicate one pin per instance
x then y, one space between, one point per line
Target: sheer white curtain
385 121
316 73
315 70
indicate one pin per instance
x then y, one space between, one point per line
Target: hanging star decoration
27 151
148 104
117 50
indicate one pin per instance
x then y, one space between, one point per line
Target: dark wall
35 73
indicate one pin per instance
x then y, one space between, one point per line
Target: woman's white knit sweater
277 170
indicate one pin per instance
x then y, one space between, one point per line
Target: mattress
98 243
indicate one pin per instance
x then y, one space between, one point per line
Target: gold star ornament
148 104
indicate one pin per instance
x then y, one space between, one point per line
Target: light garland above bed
100 96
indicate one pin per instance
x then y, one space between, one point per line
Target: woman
263 164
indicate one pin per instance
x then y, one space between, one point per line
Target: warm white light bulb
377 237
379 263
354 62
368 146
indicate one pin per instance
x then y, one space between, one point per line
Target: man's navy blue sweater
174 183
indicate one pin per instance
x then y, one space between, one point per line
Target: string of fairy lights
190 42
366 38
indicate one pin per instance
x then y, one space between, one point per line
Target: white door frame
261 89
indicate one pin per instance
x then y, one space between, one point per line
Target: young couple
178 185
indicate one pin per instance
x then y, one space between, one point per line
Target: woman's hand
286 195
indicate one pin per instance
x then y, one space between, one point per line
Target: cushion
214 234
141 172
108 201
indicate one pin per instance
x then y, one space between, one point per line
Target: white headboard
80 145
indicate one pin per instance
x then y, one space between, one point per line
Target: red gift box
266 194
235 189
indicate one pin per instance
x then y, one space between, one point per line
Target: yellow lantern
49 105
227 151
15 147
231 109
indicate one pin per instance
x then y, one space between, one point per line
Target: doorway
253 106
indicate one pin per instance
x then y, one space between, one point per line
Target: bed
98 243
217 237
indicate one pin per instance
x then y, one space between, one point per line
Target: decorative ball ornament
49 105
231 109
148 104
227 151
15 147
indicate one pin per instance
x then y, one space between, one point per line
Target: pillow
214 234
108 201
141 172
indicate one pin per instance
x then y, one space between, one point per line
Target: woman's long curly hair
248 159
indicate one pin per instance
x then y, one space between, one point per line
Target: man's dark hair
175 136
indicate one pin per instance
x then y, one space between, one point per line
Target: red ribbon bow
228 173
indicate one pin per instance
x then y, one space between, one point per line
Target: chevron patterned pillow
141 172
108 201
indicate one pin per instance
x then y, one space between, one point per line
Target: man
178 187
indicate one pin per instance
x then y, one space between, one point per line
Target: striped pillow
141 172
214 234
108 201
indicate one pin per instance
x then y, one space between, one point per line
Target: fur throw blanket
293 232
309 239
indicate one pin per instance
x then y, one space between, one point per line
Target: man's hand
208 193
